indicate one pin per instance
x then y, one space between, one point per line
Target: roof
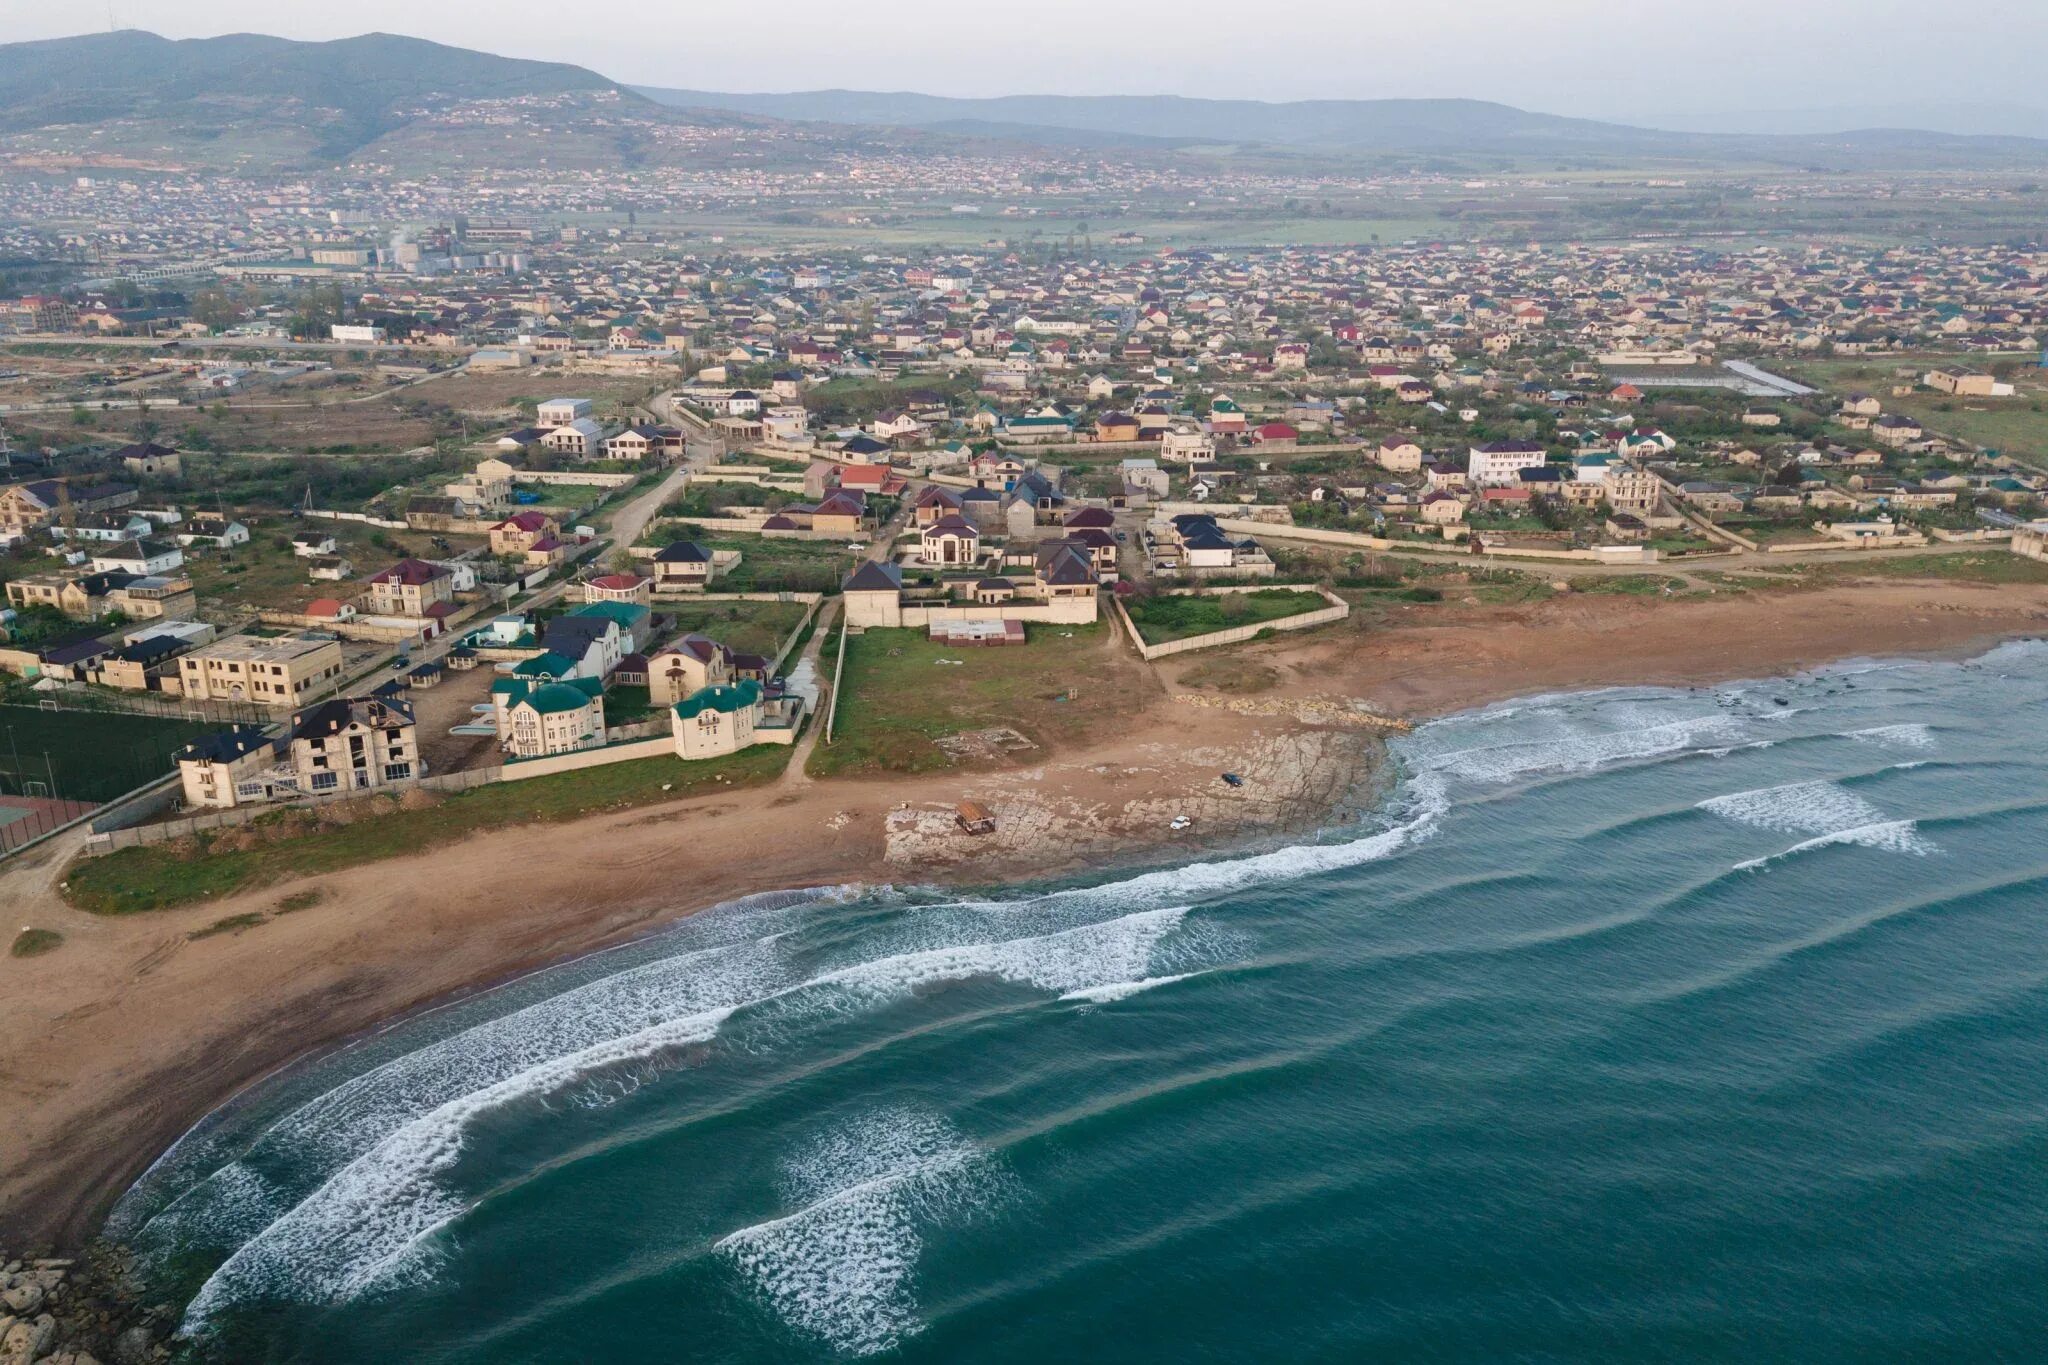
550 698
683 552
412 572
726 698
873 577
332 716
226 746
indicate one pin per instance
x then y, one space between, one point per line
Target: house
30 506
312 544
586 643
951 541
1399 455
551 717
872 594
619 587
934 503
521 531
1499 464
411 587
718 720
139 557
690 665
282 671
1116 426
215 769
684 566
644 442
1196 449
1894 430
1275 433
1226 418
150 460
214 530
562 412
1441 508
581 439
353 744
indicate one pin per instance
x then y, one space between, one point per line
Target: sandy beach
132 1031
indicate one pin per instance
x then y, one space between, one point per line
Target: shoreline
132 1014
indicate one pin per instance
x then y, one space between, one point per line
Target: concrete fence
364 517
1336 611
110 839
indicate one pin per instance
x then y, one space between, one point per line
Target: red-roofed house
620 587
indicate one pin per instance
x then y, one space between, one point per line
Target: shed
975 818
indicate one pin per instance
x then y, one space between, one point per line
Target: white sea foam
1914 736
1893 836
365 1219
1122 990
344 1238
1831 813
1588 748
1102 954
1796 808
841 1268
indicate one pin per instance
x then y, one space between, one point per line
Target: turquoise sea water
1644 1025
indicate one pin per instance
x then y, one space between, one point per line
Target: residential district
486 497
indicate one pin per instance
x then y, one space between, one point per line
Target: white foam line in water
360 1223
1796 808
841 1268
1427 805
1893 836
1914 736
1122 990
1498 763
340 1240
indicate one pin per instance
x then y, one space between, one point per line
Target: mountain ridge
1397 125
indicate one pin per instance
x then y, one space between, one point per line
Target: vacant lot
299 843
749 627
499 391
1160 619
88 755
266 575
901 693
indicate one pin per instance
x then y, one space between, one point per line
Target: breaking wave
841 1267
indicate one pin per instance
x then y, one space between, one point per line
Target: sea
1638 1024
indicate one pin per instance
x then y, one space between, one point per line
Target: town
495 498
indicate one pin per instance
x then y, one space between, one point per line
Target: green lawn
896 697
89 755
1164 618
294 843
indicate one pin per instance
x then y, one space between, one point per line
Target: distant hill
1449 127
315 101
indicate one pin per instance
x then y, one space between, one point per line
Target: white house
1500 464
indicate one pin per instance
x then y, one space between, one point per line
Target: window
397 772
326 782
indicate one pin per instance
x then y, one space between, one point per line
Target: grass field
297 843
749 627
89 755
265 574
1160 619
896 698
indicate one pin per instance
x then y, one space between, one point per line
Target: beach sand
113 1045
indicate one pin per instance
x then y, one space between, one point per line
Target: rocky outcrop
54 1312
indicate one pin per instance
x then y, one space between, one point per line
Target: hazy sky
1620 59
